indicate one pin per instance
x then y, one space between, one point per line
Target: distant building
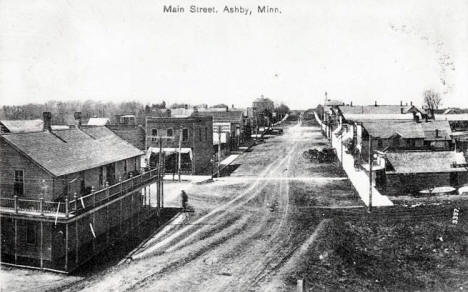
261 108
128 119
459 125
263 103
133 134
98 122
231 122
195 135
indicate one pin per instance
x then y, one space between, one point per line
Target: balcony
77 205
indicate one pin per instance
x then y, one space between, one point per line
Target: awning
168 151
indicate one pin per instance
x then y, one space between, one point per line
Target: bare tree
432 99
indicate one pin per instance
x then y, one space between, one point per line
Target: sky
121 50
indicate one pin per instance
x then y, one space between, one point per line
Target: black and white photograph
233 145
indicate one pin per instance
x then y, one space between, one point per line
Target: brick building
133 134
195 135
232 124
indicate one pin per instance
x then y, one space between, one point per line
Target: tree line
63 111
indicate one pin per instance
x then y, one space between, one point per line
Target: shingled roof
68 151
437 130
22 126
379 109
426 161
387 129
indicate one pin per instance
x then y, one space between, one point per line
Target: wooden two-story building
66 194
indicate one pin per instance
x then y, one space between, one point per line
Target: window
125 166
199 134
19 183
169 132
154 132
206 134
379 143
30 233
185 135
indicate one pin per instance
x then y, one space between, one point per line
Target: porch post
132 210
16 204
75 198
16 240
77 241
41 205
42 244
66 246
67 207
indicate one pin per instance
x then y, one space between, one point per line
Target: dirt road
246 226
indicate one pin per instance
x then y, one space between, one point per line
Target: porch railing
79 204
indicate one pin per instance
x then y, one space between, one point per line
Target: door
454 179
110 171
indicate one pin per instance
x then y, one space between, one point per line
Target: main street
247 229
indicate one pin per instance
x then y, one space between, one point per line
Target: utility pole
341 143
179 162
370 172
160 178
219 149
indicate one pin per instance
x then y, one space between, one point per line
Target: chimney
47 117
411 103
77 116
232 106
351 103
376 103
401 103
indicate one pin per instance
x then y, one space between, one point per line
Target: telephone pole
179 162
219 149
370 172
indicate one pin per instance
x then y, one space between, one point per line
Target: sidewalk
359 179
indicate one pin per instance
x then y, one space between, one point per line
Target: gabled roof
425 161
98 121
69 151
23 126
386 129
223 116
367 117
379 109
437 130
